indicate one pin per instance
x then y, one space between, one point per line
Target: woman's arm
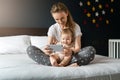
77 44
52 40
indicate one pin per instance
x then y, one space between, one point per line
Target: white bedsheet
21 67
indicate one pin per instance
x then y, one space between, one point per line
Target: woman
64 20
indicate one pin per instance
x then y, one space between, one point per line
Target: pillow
14 44
39 41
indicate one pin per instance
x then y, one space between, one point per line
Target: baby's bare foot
73 65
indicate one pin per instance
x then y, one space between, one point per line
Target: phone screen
56 47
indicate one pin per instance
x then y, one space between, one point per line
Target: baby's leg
54 60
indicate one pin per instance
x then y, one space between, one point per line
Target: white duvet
16 65
21 67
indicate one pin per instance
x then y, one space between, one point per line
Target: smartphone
56 47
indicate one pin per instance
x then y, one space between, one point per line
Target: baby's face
66 39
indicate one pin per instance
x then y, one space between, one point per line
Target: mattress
21 67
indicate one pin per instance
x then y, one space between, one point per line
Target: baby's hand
67 51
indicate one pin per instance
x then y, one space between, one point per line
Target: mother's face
60 18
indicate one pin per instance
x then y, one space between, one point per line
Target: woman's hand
47 50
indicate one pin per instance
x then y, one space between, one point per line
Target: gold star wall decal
97 12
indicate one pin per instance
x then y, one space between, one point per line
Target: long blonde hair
58 7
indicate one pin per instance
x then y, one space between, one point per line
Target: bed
16 65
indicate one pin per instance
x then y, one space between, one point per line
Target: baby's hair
68 31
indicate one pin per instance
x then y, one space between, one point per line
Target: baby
62 58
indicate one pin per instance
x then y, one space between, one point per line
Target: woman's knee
86 55
30 48
92 49
38 55
34 51
88 50
92 52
